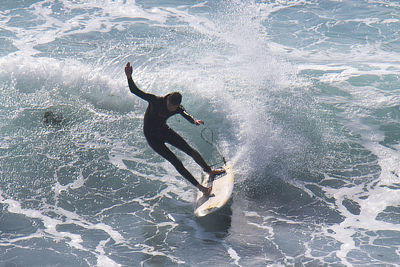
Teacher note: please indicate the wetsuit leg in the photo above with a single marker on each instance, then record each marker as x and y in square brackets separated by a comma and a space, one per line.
[177, 141]
[160, 147]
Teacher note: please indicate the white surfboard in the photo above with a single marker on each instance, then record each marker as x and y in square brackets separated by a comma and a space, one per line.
[222, 187]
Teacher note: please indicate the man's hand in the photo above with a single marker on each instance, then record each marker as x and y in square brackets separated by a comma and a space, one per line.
[198, 122]
[128, 70]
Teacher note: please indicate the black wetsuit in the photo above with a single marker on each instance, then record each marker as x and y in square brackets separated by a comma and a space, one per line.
[157, 132]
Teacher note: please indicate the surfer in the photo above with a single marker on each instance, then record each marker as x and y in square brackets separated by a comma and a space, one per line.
[158, 133]
[50, 118]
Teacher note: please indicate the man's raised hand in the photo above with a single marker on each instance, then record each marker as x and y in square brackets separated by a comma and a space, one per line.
[128, 70]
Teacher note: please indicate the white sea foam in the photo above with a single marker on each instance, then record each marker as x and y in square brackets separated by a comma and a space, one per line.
[379, 193]
[50, 229]
[104, 17]
[233, 254]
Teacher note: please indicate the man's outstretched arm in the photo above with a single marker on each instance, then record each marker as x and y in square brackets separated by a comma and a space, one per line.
[132, 86]
[189, 117]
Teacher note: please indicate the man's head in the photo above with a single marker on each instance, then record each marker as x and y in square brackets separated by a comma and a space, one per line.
[173, 100]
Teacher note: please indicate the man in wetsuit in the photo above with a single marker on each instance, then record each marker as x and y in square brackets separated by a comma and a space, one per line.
[157, 132]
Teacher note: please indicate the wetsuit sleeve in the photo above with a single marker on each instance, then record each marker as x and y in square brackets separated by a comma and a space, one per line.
[135, 90]
[186, 115]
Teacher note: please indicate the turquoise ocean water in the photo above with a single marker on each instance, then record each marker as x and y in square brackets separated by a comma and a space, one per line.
[302, 96]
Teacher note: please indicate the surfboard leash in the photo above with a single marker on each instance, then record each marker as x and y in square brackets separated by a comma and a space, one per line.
[212, 143]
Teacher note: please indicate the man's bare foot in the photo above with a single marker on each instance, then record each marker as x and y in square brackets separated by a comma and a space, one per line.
[205, 190]
[216, 172]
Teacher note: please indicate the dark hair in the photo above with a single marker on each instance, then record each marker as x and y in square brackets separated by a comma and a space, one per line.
[175, 98]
